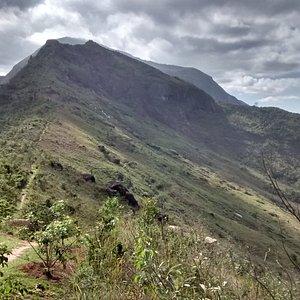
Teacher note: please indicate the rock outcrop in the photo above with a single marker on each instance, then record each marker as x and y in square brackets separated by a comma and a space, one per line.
[118, 189]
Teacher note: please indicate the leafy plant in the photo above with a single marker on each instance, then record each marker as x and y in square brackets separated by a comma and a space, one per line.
[53, 241]
[12, 288]
[4, 252]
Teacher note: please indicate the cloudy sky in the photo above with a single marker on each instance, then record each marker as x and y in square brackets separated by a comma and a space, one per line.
[251, 48]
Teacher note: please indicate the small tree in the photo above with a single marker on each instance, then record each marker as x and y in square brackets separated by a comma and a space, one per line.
[289, 205]
[52, 242]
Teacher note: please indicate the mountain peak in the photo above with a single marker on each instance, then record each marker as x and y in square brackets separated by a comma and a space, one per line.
[124, 80]
[189, 74]
[71, 40]
[92, 43]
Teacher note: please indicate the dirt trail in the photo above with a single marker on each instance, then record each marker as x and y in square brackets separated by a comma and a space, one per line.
[18, 251]
[33, 172]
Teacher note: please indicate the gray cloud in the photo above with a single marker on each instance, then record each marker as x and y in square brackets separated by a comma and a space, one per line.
[216, 46]
[280, 66]
[248, 46]
[21, 4]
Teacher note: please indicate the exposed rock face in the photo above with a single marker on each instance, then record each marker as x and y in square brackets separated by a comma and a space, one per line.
[131, 200]
[116, 160]
[88, 178]
[118, 188]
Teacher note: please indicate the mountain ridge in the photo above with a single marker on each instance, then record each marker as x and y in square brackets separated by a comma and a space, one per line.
[200, 79]
[162, 137]
[189, 115]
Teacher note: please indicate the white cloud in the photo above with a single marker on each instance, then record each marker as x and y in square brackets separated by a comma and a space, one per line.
[254, 85]
[275, 99]
[251, 47]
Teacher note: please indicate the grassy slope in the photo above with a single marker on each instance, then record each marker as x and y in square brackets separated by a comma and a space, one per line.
[191, 192]
[13, 269]
[196, 185]
[277, 135]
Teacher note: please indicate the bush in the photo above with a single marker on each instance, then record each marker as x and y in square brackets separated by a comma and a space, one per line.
[54, 235]
[137, 257]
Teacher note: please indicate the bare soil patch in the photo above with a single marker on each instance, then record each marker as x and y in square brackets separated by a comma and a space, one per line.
[59, 272]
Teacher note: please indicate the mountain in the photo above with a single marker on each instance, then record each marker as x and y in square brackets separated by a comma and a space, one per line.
[191, 75]
[195, 77]
[76, 118]
[20, 65]
[200, 80]
[17, 68]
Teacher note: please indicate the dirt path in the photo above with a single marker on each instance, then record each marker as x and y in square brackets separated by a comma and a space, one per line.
[25, 191]
[34, 170]
[18, 251]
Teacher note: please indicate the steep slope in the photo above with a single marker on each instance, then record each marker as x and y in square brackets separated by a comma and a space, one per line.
[20, 65]
[200, 80]
[147, 93]
[15, 70]
[78, 109]
[191, 75]
[276, 137]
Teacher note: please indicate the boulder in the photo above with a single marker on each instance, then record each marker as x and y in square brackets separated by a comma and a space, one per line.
[111, 192]
[209, 240]
[174, 227]
[102, 148]
[88, 178]
[19, 222]
[56, 166]
[118, 189]
[129, 197]
[238, 215]
[116, 160]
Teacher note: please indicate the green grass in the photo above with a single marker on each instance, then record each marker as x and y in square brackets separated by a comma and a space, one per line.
[10, 241]
[202, 176]
[152, 264]
[52, 290]
[190, 191]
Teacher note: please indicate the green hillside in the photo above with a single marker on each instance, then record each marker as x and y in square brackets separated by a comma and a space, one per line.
[84, 109]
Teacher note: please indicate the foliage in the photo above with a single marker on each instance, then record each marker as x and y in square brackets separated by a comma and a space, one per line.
[12, 180]
[4, 252]
[290, 206]
[204, 180]
[178, 265]
[54, 237]
[12, 288]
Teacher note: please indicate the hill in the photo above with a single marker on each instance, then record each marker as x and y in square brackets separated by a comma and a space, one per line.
[77, 110]
[191, 75]
[21, 64]
[200, 80]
